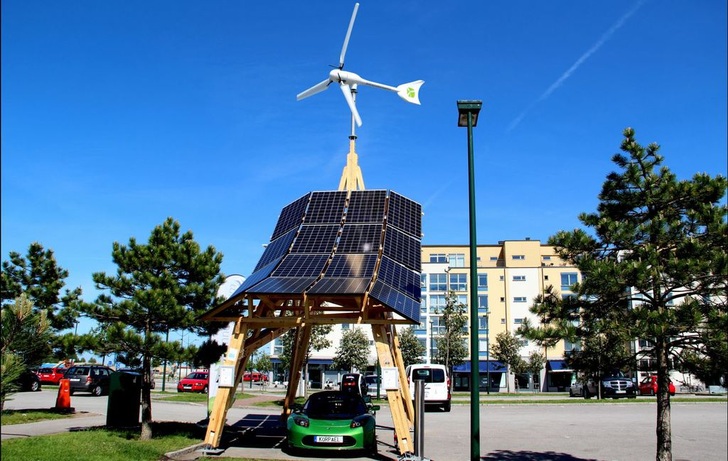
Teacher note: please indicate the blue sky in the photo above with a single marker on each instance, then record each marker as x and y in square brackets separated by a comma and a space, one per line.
[118, 114]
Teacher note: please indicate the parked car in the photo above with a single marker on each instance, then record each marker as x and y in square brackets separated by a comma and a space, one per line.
[437, 383]
[28, 381]
[354, 382]
[333, 420]
[51, 375]
[613, 386]
[372, 381]
[89, 378]
[255, 376]
[139, 371]
[648, 386]
[197, 381]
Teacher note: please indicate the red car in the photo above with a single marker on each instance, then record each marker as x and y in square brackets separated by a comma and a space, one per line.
[648, 386]
[197, 381]
[51, 375]
[254, 376]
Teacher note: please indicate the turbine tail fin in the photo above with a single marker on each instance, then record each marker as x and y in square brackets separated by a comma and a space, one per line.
[410, 92]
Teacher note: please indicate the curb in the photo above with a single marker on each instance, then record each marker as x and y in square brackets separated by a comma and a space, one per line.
[180, 454]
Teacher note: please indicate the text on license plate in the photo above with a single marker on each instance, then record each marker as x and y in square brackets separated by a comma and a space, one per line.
[328, 439]
[621, 392]
[75, 379]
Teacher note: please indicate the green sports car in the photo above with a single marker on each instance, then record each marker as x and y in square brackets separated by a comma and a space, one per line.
[333, 420]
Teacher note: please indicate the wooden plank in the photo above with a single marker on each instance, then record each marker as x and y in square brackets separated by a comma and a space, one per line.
[403, 383]
[303, 337]
[225, 395]
[401, 422]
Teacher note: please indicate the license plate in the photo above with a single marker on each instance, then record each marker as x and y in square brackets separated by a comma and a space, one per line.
[621, 392]
[328, 439]
[187, 387]
[75, 379]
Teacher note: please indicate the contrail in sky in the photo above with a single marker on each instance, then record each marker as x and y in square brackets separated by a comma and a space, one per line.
[554, 86]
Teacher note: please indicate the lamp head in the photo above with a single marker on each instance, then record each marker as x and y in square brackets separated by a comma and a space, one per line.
[466, 107]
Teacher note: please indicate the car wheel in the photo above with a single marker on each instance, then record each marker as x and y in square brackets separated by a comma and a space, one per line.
[204, 390]
[96, 390]
[652, 392]
[34, 386]
[447, 407]
[585, 391]
[70, 391]
[571, 392]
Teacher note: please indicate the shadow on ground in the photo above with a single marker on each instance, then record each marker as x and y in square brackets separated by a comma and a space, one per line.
[507, 455]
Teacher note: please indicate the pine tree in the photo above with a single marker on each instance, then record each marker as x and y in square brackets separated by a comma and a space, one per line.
[159, 286]
[655, 265]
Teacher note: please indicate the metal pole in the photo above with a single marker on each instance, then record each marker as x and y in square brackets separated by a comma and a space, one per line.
[432, 344]
[419, 418]
[474, 356]
[487, 349]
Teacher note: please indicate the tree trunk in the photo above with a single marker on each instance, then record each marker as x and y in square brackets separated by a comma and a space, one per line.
[146, 393]
[664, 430]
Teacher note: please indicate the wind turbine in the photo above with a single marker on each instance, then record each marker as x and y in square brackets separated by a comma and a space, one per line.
[348, 81]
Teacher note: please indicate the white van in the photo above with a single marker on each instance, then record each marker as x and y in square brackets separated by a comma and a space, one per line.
[437, 383]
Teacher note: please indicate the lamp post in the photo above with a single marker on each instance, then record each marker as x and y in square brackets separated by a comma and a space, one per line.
[487, 349]
[468, 116]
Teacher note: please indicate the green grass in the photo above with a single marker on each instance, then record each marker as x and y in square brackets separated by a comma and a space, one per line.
[103, 444]
[10, 417]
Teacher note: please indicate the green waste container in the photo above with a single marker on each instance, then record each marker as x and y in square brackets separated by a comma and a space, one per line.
[125, 392]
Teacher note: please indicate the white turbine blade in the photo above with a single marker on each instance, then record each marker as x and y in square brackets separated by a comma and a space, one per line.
[410, 92]
[346, 89]
[348, 34]
[317, 88]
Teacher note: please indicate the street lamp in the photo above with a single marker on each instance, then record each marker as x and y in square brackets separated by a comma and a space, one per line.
[468, 116]
[487, 349]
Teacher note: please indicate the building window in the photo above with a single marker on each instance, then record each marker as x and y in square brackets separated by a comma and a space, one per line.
[482, 325]
[483, 302]
[519, 299]
[438, 282]
[438, 258]
[423, 306]
[518, 257]
[503, 299]
[344, 326]
[482, 282]
[459, 282]
[457, 260]
[519, 278]
[523, 343]
[501, 278]
[547, 258]
[567, 280]
[423, 282]
[503, 321]
[545, 277]
[437, 303]
[518, 321]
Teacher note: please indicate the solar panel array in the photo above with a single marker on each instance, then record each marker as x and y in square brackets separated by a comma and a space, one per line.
[325, 245]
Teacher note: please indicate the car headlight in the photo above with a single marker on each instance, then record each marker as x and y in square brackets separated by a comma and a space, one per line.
[301, 422]
[354, 424]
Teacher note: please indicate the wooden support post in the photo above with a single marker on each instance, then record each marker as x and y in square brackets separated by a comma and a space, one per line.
[403, 384]
[300, 349]
[401, 422]
[225, 395]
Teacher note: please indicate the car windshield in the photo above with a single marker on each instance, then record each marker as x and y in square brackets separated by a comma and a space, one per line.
[429, 375]
[334, 405]
[45, 370]
[78, 371]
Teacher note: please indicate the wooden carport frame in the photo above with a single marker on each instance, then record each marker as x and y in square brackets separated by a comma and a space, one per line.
[259, 320]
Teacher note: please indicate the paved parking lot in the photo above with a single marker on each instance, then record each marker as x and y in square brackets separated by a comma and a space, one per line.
[577, 431]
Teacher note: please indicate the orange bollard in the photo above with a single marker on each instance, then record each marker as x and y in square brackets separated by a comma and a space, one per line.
[63, 401]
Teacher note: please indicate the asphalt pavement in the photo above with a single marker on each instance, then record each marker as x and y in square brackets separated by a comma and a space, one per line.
[576, 431]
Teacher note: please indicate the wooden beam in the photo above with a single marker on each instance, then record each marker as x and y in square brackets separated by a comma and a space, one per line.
[225, 395]
[301, 341]
[401, 422]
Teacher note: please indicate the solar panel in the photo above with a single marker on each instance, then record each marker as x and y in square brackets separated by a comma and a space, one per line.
[360, 238]
[351, 265]
[291, 216]
[277, 248]
[324, 245]
[403, 304]
[404, 214]
[405, 280]
[316, 239]
[301, 265]
[341, 286]
[283, 285]
[403, 248]
[326, 207]
[366, 206]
